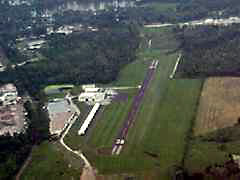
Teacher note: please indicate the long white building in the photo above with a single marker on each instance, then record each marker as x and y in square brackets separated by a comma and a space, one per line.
[89, 119]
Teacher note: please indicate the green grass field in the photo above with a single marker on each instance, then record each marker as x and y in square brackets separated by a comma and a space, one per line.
[212, 148]
[53, 91]
[162, 7]
[51, 162]
[51, 87]
[162, 124]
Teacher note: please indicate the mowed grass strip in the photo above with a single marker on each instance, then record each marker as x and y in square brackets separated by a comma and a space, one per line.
[111, 121]
[107, 126]
[114, 115]
[132, 74]
[162, 123]
[165, 118]
[219, 104]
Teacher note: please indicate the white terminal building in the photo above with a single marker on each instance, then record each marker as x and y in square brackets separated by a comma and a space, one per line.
[93, 95]
[96, 97]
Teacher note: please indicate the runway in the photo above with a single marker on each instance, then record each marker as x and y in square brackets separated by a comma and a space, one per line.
[122, 135]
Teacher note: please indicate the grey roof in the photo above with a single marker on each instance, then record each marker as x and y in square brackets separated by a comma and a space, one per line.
[58, 106]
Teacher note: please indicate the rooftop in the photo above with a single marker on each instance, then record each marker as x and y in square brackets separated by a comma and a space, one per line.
[60, 112]
[7, 88]
[12, 119]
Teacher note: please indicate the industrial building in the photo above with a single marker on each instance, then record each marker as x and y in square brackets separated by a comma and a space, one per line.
[89, 119]
[8, 94]
[12, 112]
[60, 114]
[93, 95]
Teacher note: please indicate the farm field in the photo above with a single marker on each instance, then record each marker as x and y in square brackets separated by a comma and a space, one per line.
[216, 130]
[219, 104]
[157, 140]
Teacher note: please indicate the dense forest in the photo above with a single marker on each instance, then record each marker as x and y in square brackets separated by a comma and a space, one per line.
[198, 9]
[87, 57]
[209, 51]
[28, 21]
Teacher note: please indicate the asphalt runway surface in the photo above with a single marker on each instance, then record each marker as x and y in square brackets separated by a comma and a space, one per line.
[134, 109]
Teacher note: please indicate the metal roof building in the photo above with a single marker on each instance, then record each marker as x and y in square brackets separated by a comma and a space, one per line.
[89, 119]
[60, 112]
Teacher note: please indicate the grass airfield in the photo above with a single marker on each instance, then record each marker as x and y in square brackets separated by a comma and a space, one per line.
[156, 141]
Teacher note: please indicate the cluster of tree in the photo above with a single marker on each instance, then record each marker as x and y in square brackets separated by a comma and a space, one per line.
[88, 57]
[14, 150]
[197, 9]
[227, 170]
[26, 20]
[209, 51]
[18, 21]
[141, 15]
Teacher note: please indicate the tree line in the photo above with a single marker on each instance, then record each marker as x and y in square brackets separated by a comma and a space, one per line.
[209, 51]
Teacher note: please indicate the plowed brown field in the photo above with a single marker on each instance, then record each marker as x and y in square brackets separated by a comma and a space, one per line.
[219, 104]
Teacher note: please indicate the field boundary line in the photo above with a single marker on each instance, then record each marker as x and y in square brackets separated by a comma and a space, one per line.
[25, 165]
[189, 134]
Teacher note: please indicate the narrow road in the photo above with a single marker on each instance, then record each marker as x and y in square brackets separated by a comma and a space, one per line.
[88, 171]
[26, 163]
[209, 21]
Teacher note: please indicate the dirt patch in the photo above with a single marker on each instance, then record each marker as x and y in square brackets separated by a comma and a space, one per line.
[88, 174]
[219, 105]
[105, 151]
